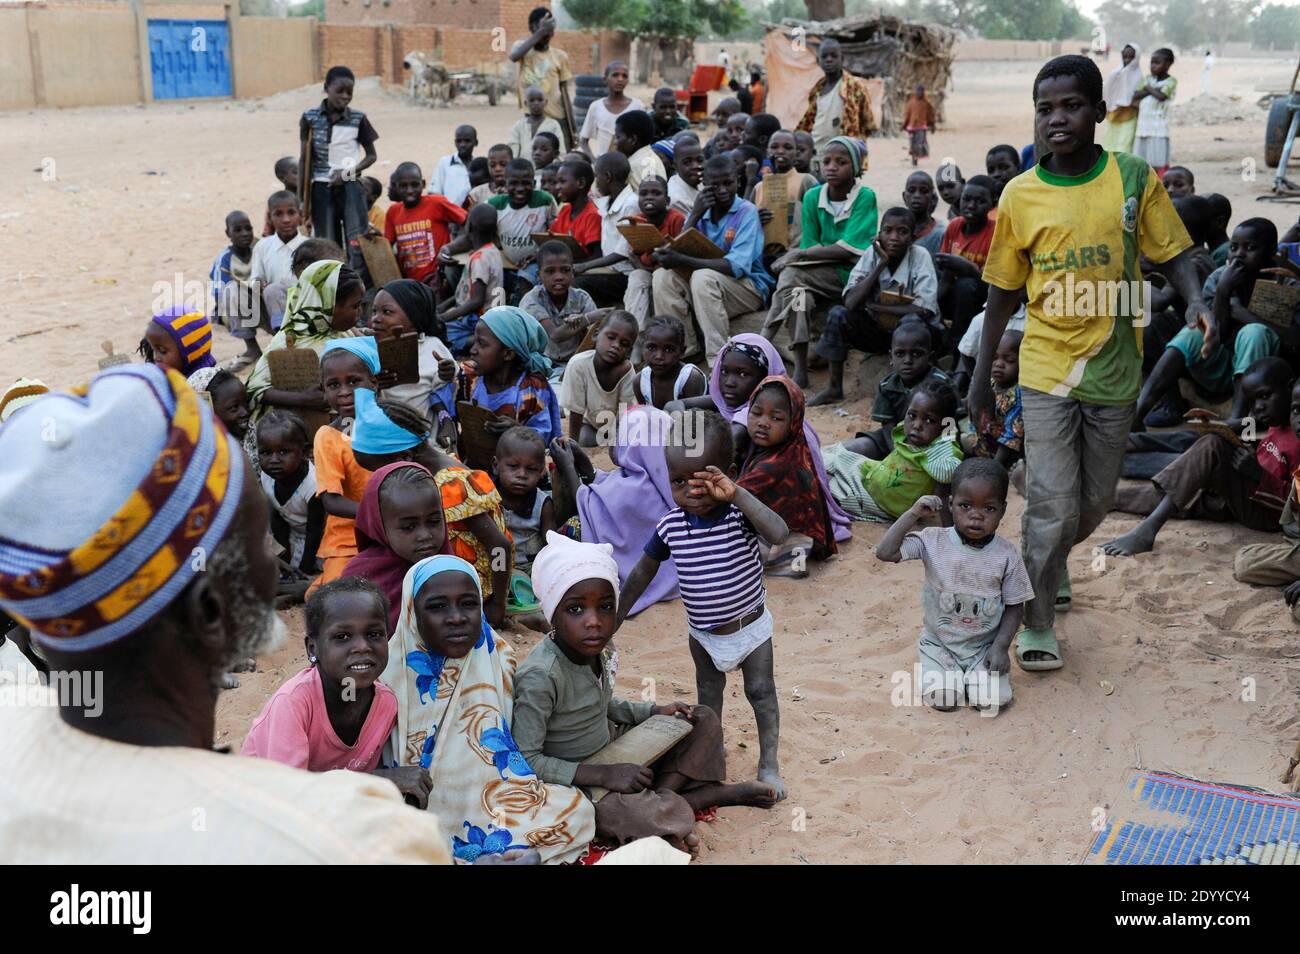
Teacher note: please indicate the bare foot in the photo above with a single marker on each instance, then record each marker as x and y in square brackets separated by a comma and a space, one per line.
[536, 621]
[754, 794]
[828, 396]
[690, 844]
[1137, 540]
[773, 779]
[1018, 477]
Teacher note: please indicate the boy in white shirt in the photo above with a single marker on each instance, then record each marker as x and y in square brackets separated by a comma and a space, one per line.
[451, 175]
[618, 201]
[272, 267]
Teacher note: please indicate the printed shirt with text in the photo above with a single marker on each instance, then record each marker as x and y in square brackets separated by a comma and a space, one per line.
[1074, 243]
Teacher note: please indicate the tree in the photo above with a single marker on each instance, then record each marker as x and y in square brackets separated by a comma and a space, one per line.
[825, 9]
[603, 14]
[1127, 21]
[311, 8]
[1277, 27]
[1030, 20]
[1182, 23]
[669, 19]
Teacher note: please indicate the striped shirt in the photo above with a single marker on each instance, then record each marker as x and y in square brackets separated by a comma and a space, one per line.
[719, 570]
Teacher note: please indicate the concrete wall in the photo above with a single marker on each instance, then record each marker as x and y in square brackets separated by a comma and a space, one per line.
[1014, 49]
[80, 57]
[17, 90]
[272, 54]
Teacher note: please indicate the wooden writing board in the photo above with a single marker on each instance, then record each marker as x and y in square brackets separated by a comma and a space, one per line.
[1275, 303]
[1203, 424]
[380, 260]
[886, 321]
[642, 236]
[579, 250]
[298, 369]
[478, 445]
[401, 355]
[776, 197]
[693, 242]
[640, 745]
[112, 358]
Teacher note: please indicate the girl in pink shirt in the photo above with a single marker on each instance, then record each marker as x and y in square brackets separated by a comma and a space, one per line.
[335, 714]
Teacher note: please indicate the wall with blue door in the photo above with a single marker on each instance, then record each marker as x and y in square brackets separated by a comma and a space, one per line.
[189, 58]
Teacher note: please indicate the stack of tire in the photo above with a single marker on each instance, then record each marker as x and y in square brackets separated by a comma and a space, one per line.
[1278, 125]
[589, 89]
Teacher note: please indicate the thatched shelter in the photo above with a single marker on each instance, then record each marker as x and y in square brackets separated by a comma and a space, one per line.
[895, 52]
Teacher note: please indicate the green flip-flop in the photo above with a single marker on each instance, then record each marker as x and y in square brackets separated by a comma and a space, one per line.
[521, 598]
[1064, 594]
[1040, 641]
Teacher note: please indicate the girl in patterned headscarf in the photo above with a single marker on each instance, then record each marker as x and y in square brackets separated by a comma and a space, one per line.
[454, 680]
[325, 305]
[510, 371]
[781, 471]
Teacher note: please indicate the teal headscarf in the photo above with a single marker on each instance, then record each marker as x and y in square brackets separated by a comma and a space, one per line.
[374, 432]
[363, 346]
[429, 567]
[522, 334]
[442, 563]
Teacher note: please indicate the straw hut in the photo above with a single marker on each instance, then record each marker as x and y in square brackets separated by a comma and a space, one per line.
[892, 54]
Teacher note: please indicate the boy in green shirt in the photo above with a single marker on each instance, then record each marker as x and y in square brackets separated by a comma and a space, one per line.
[838, 223]
[1071, 233]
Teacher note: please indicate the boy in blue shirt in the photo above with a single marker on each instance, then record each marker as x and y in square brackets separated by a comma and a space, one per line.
[718, 289]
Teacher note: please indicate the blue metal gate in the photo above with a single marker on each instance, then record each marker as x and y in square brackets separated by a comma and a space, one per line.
[189, 58]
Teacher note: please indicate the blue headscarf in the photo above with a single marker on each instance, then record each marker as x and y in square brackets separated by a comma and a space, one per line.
[363, 346]
[429, 567]
[374, 432]
[522, 334]
[442, 563]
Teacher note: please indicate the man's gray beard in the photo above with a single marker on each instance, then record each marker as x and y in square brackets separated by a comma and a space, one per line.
[258, 628]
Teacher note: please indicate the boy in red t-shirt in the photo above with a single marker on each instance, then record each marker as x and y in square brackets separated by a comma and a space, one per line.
[417, 224]
[578, 216]
[960, 260]
[1248, 480]
[652, 200]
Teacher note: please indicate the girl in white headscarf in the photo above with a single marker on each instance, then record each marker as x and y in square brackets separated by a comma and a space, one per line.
[1121, 111]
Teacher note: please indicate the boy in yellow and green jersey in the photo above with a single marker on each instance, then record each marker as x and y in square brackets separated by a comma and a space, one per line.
[1071, 232]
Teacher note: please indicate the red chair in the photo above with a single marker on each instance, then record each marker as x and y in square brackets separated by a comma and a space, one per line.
[704, 80]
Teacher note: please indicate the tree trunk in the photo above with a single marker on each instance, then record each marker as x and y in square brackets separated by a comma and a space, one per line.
[824, 9]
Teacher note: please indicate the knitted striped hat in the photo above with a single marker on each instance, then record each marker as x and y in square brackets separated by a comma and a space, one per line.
[19, 394]
[192, 332]
[111, 497]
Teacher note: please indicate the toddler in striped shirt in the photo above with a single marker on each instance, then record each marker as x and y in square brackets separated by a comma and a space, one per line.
[712, 538]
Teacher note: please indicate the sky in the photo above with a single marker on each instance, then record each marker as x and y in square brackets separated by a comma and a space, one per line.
[1089, 7]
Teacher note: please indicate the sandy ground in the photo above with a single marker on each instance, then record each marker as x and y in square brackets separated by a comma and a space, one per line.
[139, 199]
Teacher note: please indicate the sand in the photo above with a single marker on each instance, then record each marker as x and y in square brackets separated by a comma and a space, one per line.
[1204, 670]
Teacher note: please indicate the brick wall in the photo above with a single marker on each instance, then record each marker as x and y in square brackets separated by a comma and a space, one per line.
[372, 40]
[467, 14]
[356, 47]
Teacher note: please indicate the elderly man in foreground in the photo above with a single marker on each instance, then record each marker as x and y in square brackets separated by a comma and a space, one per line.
[133, 549]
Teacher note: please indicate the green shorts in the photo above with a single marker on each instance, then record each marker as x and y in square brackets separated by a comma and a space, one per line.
[1216, 375]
